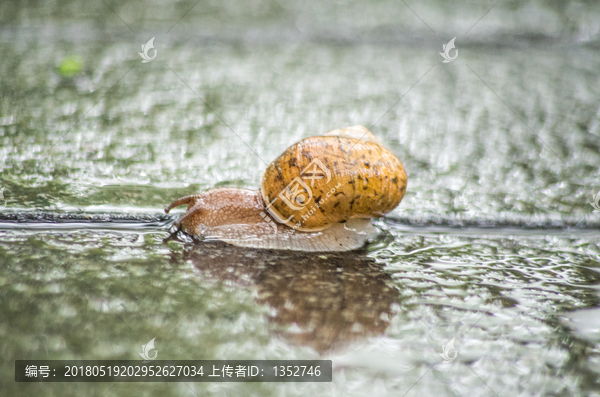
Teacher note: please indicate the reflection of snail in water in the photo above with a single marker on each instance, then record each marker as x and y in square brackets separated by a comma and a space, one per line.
[325, 302]
[317, 196]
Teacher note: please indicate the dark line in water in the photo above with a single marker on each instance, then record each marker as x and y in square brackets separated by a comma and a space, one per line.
[499, 223]
[48, 221]
[39, 221]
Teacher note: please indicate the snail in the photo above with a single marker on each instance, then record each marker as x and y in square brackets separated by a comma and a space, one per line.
[319, 195]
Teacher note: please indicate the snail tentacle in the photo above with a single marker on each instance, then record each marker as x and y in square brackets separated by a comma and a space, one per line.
[181, 201]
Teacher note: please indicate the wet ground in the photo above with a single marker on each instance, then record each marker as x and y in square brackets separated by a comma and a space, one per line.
[504, 140]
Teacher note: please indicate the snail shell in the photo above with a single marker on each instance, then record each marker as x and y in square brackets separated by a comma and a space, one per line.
[331, 178]
[317, 196]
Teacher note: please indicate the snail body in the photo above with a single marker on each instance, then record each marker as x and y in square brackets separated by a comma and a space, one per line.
[319, 195]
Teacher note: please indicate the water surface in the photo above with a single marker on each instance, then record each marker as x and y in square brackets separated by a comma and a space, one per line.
[504, 140]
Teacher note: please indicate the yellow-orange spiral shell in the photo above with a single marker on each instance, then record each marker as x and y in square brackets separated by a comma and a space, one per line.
[332, 178]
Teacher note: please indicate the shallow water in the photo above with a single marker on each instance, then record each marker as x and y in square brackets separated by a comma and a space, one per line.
[504, 140]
